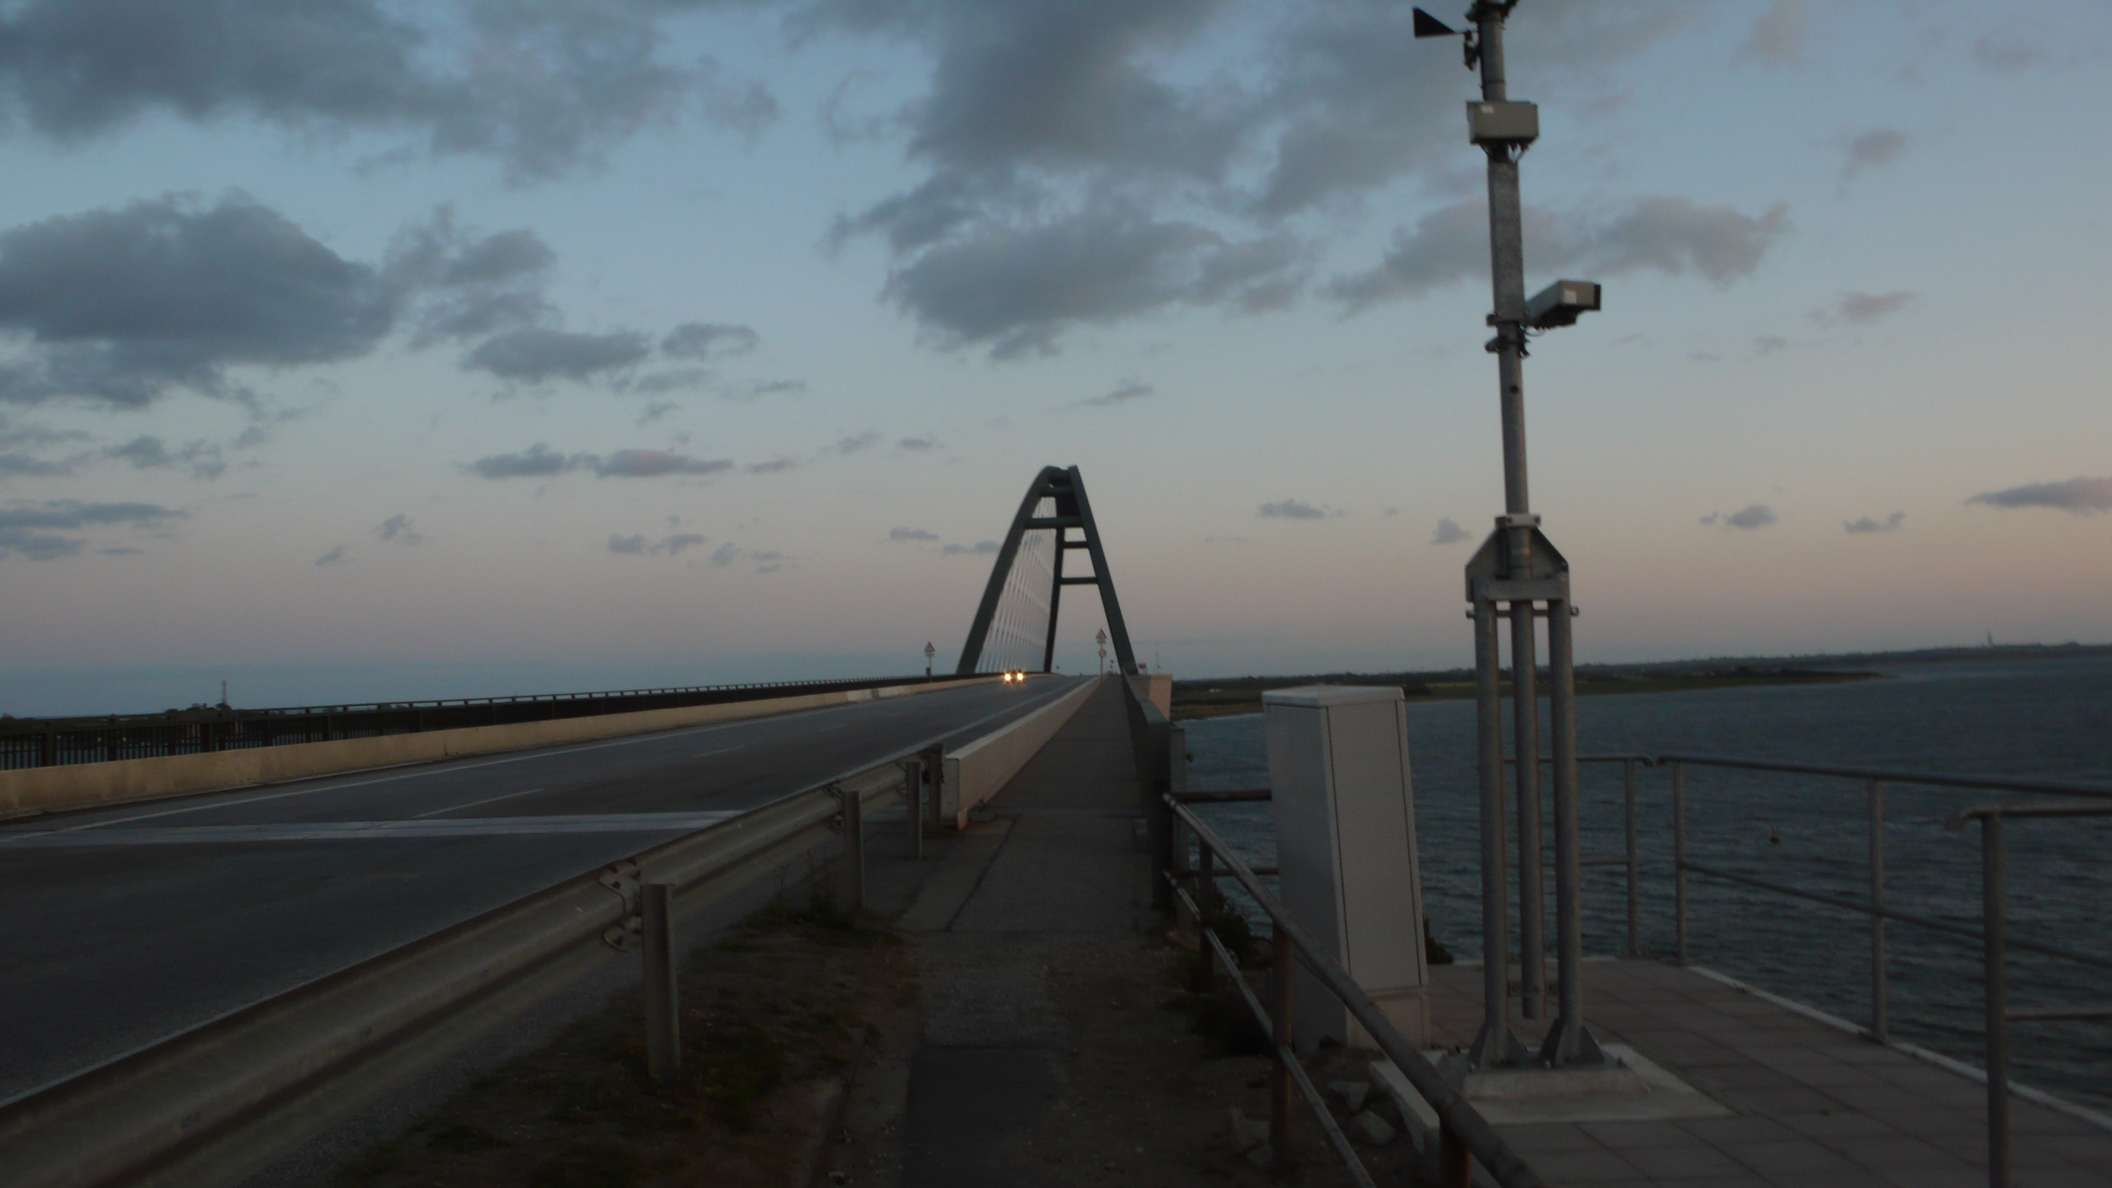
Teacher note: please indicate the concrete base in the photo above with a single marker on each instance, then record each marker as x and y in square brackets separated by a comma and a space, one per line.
[1407, 1010]
[1636, 1089]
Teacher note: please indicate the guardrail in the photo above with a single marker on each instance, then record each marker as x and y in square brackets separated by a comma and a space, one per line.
[53, 742]
[1992, 935]
[219, 1102]
[1464, 1135]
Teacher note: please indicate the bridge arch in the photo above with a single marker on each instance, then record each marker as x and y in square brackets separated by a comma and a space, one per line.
[1025, 591]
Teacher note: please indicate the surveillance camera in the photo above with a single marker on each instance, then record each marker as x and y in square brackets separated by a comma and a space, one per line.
[1561, 302]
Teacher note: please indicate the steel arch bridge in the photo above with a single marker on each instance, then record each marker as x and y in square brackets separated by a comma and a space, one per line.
[1016, 622]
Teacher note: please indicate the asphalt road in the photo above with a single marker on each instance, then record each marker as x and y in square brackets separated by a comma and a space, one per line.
[122, 926]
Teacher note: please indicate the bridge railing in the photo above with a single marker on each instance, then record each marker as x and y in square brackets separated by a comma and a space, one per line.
[213, 1105]
[52, 742]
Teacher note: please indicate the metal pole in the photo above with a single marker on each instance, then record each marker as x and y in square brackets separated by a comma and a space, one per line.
[663, 1041]
[1879, 1012]
[1679, 861]
[1570, 1041]
[1525, 747]
[1635, 908]
[1286, 1051]
[1991, 909]
[1494, 1047]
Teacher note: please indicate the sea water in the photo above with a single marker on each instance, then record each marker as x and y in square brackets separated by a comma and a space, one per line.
[2048, 719]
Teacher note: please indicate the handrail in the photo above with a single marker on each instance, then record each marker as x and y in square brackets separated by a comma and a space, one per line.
[1928, 778]
[1992, 935]
[1459, 1121]
[216, 1103]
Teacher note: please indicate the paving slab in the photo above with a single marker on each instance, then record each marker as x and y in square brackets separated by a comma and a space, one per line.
[1807, 1104]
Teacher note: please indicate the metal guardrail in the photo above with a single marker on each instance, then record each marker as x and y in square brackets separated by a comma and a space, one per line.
[52, 742]
[1992, 935]
[217, 1103]
[1464, 1135]
[1462, 1130]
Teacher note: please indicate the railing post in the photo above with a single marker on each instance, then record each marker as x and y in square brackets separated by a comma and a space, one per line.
[1635, 868]
[1455, 1165]
[935, 782]
[1997, 974]
[1280, 1030]
[663, 1041]
[1879, 1005]
[851, 880]
[1205, 893]
[913, 804]
[1679, 861]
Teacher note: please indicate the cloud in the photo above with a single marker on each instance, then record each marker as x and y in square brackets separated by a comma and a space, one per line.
[2005, 55]
[1777, 38]
[773, 466]
[537, 461]
[30, 528]
[918, 445]
[981, 548]
[1768, 344]
[764, 560]
[707, 340]
[151, 453]
[667, 545]
[649, 464]
[1018, 289]
[544, 89]
[398, 528]
[119, 306]
[1862, 524]
[1293, 509]
[781, 387]
[1449, 533]
[856, 443]
[537, 354]
[540, 461]
[1122, 395]
[911, 534]
[2080, 495]
[18, 465]
[655, 411]
[1753, 515]
[1667, 234]
[1861, 309]
[333, 557]
[1873, 149]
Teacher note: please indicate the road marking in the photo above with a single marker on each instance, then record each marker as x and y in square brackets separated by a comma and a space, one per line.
[472, 804]
[720, 751]
[367, 830]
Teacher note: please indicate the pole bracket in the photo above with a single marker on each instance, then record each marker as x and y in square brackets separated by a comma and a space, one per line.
[623, 877]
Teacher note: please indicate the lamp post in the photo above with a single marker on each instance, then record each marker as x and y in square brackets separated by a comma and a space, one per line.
[1515, 571]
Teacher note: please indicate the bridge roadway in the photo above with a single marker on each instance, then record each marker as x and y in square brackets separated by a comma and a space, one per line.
[122, 926]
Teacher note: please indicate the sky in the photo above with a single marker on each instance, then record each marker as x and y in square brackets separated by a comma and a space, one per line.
[356, 350]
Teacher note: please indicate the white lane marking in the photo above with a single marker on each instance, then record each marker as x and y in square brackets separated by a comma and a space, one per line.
[449, 768]
[365, 830]
[720, 751]
[474, 803]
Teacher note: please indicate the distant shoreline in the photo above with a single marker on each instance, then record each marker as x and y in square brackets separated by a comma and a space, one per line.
[1226, 696]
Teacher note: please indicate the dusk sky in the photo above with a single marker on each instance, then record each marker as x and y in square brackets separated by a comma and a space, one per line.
[356, 350]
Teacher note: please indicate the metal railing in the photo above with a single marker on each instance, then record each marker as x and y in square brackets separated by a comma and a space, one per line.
[1992, 935]
[1462, 1131]
[52, 742]
[1463, 1134]
[215, 1104]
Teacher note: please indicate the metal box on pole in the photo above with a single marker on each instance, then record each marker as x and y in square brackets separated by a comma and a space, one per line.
[1346, 853]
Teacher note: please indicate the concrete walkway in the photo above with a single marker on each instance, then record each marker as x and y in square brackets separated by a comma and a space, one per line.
[1049, 869]
[1810, 1105]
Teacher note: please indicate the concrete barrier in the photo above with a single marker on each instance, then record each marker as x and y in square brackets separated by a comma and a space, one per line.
[85, 785]
[978, 771]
